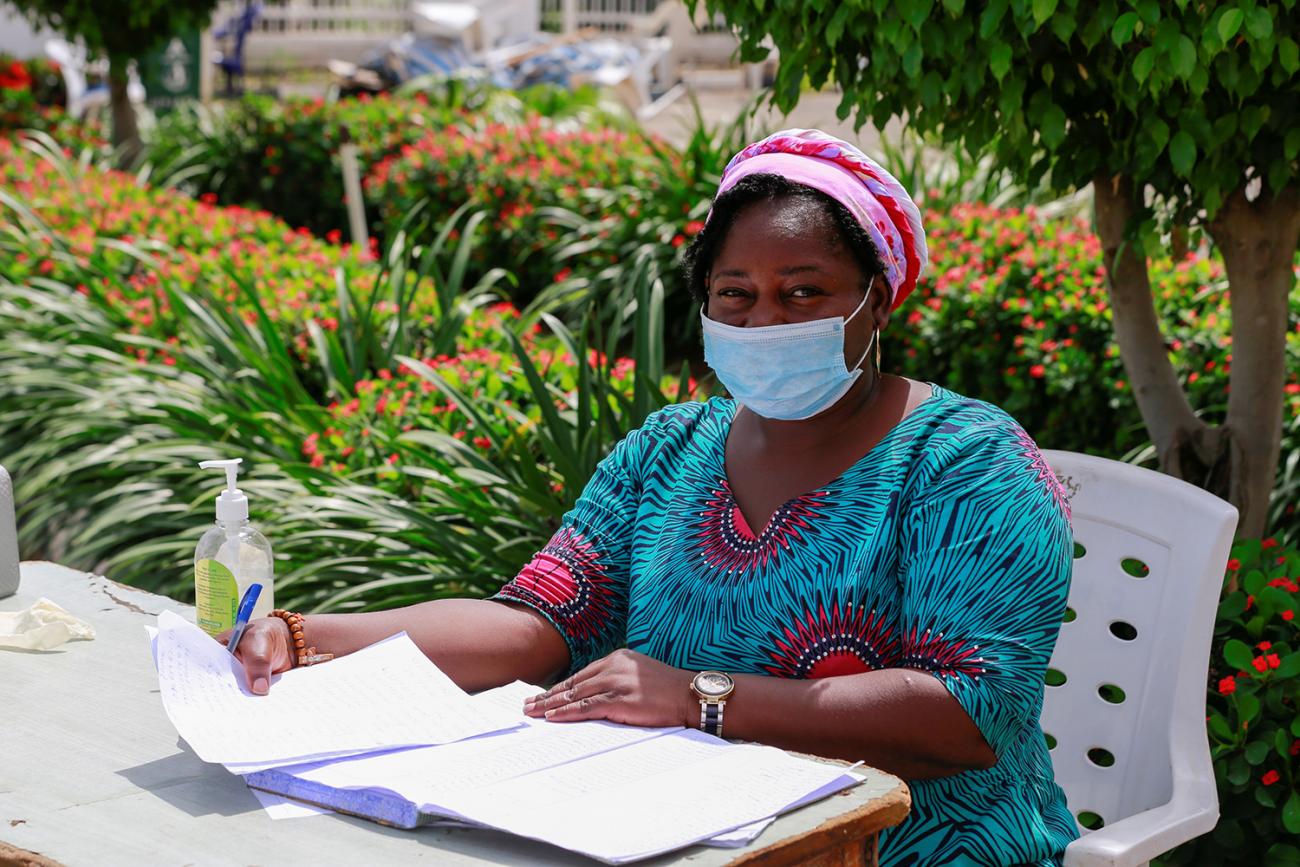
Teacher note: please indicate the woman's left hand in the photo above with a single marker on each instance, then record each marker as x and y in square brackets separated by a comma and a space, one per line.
[625, 687]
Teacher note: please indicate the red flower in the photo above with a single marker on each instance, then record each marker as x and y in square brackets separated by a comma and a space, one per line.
[334, 236]
[1288, 615]
[1037, 371]
[694, 227]
[1295, 748]
[1260, 663]
[678, 240]
[16, 77]
[1234, 564]
[563, 274]
[1227, 686]
[1264, 645]
[1270, 778]
[482, 442]
[1270, 542]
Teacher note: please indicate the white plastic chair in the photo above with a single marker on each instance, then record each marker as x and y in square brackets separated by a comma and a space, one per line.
[1129, 720]
[73, 62]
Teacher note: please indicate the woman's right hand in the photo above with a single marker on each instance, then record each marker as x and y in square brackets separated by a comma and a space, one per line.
[263, 650]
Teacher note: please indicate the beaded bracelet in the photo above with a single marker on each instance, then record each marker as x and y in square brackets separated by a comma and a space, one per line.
[302, 654]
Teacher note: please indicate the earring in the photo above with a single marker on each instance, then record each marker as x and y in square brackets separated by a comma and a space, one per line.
[877, 350]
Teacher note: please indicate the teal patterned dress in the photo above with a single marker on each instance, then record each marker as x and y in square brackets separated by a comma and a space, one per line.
[946, 549]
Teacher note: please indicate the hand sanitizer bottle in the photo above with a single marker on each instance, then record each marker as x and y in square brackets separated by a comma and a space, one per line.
[230, 556]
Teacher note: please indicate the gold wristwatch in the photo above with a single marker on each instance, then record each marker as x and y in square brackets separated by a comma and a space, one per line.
[712, 688]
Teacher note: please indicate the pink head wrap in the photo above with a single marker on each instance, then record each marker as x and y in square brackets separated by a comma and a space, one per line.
[872, 195]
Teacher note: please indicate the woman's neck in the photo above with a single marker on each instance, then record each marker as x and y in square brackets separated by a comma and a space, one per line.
[861, 402]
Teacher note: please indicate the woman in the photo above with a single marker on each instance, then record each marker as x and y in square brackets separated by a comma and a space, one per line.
[835, 560]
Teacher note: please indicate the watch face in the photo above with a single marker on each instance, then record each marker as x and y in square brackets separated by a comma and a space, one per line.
[713, 683]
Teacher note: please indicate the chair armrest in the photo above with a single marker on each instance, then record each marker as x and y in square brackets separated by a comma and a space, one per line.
[1137, 839]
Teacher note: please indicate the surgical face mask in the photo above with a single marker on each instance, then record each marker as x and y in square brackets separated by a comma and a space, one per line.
[788, 372]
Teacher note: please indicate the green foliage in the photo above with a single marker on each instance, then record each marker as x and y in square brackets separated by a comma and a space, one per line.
[124, 362]
[282, 155]
[521, 173]
[1188, 98]
[1254, 712]
[120, 30]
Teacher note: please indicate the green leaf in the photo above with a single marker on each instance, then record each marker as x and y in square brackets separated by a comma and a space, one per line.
[1000, 60]
[1255, 579]
[1230, 23]
[1290, 666]
[1143, 63]
[1282, 744]
[1265, 798]
[1247, 707]
[1184, 56]
[1291, 813]
[1182, 152]
[991, 17]
[1288, 55]
[1052, 126]
[1282, 855]
[1238, 771]
[1238, 654]
[1259, 24]
[1256, 752]
[1234, 605]
[1219, 727]
[1122, 32]
[1043, 10]
[1291, 144]
[1295, 726]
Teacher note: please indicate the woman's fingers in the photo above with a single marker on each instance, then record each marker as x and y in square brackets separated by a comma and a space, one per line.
[257, 652]
[567, 691]
[595, 706]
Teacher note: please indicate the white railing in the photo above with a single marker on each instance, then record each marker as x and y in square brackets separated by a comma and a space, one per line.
[567, 16]
[309, 32]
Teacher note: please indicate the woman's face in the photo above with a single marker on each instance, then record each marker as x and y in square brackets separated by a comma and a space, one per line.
[784, 261]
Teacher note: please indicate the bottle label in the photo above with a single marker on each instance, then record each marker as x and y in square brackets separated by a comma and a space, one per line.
[216, 596]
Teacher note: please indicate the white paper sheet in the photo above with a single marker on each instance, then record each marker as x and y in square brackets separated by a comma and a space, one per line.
[695, 787]
[387, 695]
[428, 774]
[279, 808]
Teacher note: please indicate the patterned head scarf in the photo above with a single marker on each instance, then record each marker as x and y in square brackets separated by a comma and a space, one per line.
[872, 195]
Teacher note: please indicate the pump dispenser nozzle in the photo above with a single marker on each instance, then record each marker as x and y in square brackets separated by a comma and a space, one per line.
[232, 505]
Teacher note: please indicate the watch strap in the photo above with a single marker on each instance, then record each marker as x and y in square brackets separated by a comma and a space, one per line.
[711, 717]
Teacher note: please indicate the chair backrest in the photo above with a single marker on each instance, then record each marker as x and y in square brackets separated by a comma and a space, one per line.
[1128, 720]
[72, 64]
[8, 538]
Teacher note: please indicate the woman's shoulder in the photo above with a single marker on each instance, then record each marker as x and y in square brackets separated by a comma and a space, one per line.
[967, 422]
[976, 446]
[674, 431]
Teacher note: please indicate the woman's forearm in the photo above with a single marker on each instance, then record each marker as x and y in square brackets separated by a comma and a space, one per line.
[899, 720]
[479, 643]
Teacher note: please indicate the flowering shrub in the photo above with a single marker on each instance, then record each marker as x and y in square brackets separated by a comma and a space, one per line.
[187, 243]
[32, 97]
[517, 171]
[1014, 310]
[1254, 712]
[281, 156]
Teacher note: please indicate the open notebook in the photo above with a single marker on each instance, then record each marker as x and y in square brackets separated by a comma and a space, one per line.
[418, 750]
[614, 793]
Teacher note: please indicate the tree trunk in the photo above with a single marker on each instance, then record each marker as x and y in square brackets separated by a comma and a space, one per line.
[126, 135]
[1237, 460]
[1187, 448]
[1258, 243]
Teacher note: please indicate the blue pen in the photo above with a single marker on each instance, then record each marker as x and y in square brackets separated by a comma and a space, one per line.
[245, 611]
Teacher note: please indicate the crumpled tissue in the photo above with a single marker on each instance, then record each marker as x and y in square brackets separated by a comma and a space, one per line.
[43, 626]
